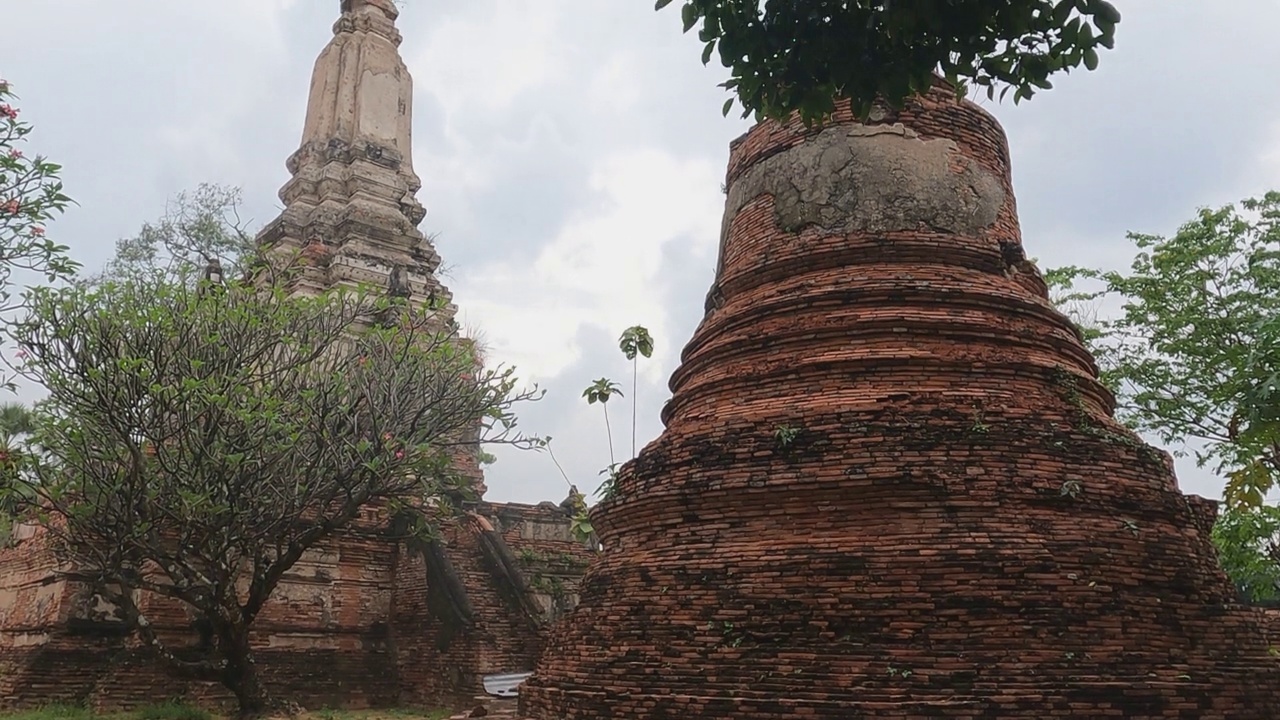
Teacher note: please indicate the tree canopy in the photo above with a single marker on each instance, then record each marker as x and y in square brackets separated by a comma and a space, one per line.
[1248, 542]
[31, 195]
[1194, 358]
[1193, 353]
[197, 227]
[789, 56]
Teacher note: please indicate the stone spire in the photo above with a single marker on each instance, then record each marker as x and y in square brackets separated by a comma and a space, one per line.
[350, 207]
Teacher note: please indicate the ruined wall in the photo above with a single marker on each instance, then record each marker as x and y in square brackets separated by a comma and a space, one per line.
[324, 635]
[349, 625]
[34, 614]
[552, 561]
[444, 660]
[1271, 617]
[890, 485]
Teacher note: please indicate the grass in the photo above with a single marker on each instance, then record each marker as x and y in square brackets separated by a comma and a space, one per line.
[178, 711]
[389, 714]
[170, 711]
[51, 712]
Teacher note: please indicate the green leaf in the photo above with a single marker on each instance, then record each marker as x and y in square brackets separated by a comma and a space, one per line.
[1107, 13]
[1091, 59]
[1062, 11]
[689, 15]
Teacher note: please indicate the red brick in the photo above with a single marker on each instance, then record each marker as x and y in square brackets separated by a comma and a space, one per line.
[918, 550]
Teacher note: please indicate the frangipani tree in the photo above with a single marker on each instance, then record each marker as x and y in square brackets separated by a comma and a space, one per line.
[196, 442]
[31, 195]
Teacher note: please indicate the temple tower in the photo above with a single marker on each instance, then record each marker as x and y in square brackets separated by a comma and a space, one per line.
[351, 215]
[890, 484]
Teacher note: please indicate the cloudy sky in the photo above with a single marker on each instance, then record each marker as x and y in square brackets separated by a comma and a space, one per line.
[572, 152]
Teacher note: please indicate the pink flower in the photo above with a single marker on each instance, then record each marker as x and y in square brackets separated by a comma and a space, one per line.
[399, 454]
[386, 436]
[9, 112]
[22, 354]
[37, 231]
[12, 207]
[15, 153]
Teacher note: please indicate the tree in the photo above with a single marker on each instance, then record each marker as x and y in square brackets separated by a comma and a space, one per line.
[30, 196]
[1193, 352]
[198, 227]
[1081, 305]
[1262, 397]
[635, 341]
[801, 55]
[197, 441]
[1248, 542]
[16, 421]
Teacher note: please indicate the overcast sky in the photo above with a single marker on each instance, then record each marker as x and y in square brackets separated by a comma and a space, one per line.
[572, 152]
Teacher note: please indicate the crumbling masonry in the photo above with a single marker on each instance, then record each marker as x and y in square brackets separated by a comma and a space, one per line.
[890, 484]
[366, 619]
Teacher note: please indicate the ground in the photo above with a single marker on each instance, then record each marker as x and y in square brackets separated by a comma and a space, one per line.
[185, 712]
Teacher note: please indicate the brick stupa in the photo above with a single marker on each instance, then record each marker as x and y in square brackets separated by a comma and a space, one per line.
[890, 484]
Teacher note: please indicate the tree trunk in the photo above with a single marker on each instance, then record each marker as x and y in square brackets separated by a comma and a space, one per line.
[241, 674]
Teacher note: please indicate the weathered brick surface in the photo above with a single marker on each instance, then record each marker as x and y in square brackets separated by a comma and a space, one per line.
[442, 668]
[890, 485]
[325, 627]
[348, 627]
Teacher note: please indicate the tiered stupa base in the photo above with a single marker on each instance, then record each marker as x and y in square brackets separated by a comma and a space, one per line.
[890, 485]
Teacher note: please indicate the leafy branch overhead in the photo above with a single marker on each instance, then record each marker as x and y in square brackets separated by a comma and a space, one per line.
[801, 55]
[31, 195]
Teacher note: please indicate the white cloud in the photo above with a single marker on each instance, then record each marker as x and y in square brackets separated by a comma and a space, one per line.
[601, 268]
[479, 56]
[606, 107]
[1268, 165]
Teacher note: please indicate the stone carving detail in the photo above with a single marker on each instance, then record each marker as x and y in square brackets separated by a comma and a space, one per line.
[890, 484]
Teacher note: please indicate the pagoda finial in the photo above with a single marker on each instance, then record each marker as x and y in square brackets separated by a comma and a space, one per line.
[387, 7]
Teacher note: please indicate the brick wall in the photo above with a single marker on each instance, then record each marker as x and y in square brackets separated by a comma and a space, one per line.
[324, 634]
[349, 626]
[890, 485]
[502, 636]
